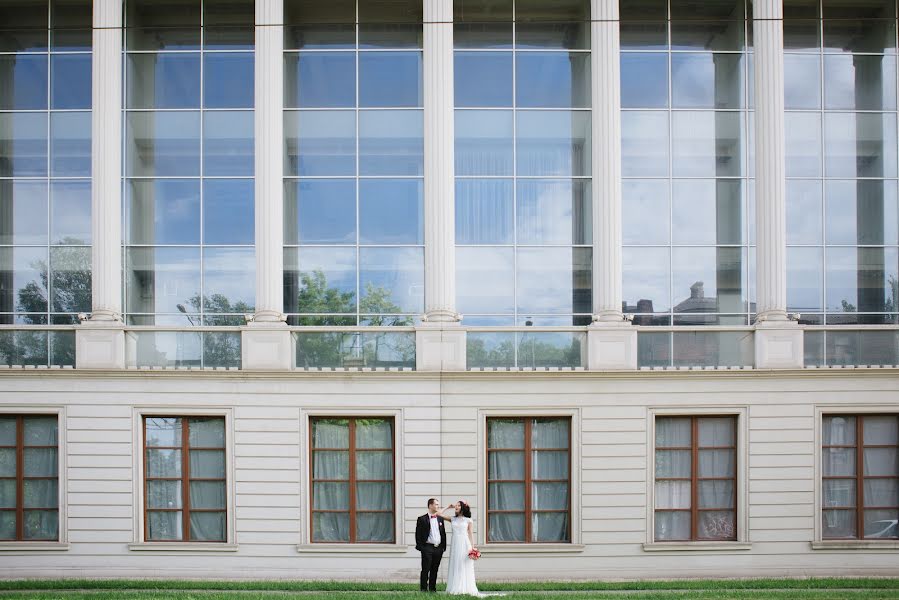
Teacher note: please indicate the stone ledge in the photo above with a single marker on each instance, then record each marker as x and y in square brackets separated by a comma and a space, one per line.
[181, 547]
[697, 547]
[353, 548]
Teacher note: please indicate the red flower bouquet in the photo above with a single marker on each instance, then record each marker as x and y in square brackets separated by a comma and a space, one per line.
[474, 554]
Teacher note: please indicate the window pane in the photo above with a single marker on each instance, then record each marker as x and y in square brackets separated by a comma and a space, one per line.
[162, 280]
[208, 432]
[505, 466]
[164, 494]
[169, 25]
[8, 462]
[672, 526]
[41, 525]
[644, 80]
[320, 24]
[207, 464]
[804, 215]
[707, 144]
[374, 527]
[553, 143]
[391, 211]
[803, 144]
[163, 144]
[320, 212]
[485, 280]
[391, 142]
[163, 81]
[23, 138]
[859, 35]
[390, 79]
[70, 144]
[858, 278]
[716, 431]
[707, 211]
[674, 432]
[554, 212]
[549, 527]
[207, 526]
[707, 35]
[374, 496]
[881, 430]
[229, 284]
[162, 212]
[708, 280]
[331, 527]
[554, 280]
[330, 496]
[645, 210]
[707, 80]
[552, 80]
[374, 465]
[331, 465]
[483, 79]
[27, 268]
[805, 279]
[326, 280]
[483, 142]
[716, 525]
[70, 86]
[7, 431]
[505, 527]
[839, 431]
[882, 523]
[839, 493]
[320, 143]
[40, 431]
[858, 82]
[839, 524]
[330, 433]
[860, 145]
[228, 143]
[881, 461]
[505, 433]
[207, 494]
[717, 463]
[163, 463]
[228, 211]
[483, 211]
[7, 494]
[374, 433]
[70, 280]
[506, 496]
[644, 143]
[861, 212]
[226, 80]
[40, 493]
[802, 81]
[391, 280]
[672, 494]
[24, 80]
[549, 465]
[70, 211]
[38, 462]
[320, 80]
[162, 431]
[24, 206]
[550, 433]
[646, 279]
[882, 492]
[673, 463]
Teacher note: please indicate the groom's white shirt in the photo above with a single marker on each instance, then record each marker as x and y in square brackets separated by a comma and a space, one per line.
[434, 536]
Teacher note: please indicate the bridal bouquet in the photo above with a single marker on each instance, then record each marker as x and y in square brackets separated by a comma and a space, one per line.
[474, 554]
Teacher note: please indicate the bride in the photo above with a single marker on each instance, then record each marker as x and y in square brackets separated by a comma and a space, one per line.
[460, 574]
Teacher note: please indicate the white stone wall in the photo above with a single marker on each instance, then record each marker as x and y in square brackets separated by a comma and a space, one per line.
[440, 452]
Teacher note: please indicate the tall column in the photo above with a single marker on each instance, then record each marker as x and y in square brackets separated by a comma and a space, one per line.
[612, 342]
[266, 341]
[100, 340]
[440, 344]
[778, 341]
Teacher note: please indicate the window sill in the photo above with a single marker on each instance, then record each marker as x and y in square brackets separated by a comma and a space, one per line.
[353, 548]
[33, 546]
[181, 547]
[531, 548]
[856, 545]
[697, 546]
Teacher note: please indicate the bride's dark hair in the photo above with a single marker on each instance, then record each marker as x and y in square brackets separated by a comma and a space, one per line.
[464, 509]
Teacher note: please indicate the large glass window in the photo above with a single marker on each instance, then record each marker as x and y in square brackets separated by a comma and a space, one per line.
[189, 154]
[860, 470]
[528, 480]
[185, 496]
[695, 478]
[842, 221]
[45, 161]
[522, 162]
[352, 480]
[354, 162]
[687, 188]
[29, 477]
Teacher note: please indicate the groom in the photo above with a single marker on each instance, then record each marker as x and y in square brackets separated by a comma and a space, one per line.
[430, 540]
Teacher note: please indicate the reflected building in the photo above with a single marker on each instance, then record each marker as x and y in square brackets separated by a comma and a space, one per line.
[274, 273]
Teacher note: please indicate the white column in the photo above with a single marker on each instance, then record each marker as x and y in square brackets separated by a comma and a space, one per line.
[778, 342]
[100, 341]
[612, 342]
[440, 344]
[266, 343]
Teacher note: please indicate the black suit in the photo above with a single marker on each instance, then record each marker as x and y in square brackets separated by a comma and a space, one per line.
[430, 554]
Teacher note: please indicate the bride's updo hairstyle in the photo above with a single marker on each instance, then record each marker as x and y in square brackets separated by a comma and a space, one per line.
[464, 509]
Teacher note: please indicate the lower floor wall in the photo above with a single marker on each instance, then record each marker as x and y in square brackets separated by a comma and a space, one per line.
[440, 449]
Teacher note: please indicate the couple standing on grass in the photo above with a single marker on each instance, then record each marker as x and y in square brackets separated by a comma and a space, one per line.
[430, 540]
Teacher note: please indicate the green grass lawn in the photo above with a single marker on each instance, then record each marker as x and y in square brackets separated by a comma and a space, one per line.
[738, 589]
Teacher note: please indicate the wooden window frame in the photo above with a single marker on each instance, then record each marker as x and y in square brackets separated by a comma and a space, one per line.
[352, 481]
[859, 477]
[694, 478]
[185, 478]
[20, 478]
[528, 478]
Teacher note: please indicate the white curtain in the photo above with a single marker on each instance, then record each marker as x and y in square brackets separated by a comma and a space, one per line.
[207, 526]
[673, 433]
[839, 431]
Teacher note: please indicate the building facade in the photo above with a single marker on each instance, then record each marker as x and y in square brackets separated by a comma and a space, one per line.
[623, 276]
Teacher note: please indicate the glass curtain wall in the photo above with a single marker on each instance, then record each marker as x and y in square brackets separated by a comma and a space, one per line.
[842, 223]
[45, 161]
[189, 151]
[687, 199]
[354, 162]
[522, 162]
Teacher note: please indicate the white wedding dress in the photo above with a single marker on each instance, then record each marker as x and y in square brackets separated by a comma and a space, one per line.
[460, 574]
